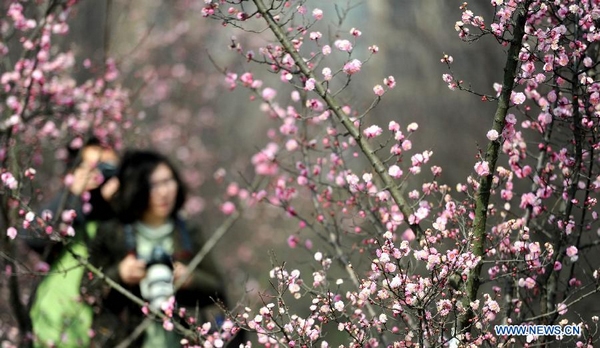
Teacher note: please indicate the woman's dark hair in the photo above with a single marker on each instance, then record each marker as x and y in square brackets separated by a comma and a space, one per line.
[133, 196]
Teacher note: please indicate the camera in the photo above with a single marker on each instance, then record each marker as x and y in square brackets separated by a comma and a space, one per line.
[157, 286]
[108, 170]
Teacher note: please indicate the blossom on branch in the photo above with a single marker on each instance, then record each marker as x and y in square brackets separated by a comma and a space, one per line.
[352, 67]
[372, 131]
[343, 45]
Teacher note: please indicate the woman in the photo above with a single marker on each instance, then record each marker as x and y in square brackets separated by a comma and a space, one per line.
[146, 250]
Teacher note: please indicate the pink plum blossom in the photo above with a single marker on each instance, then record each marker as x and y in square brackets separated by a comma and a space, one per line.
[447, 59]
[352, 66]
[286, 76]
[291, 145]
[9, 180]
[68, 216]
[498, 88]
[317, 14]
[315, 35]
[572, 253]
[246, 78]
[30, 173]
[372, 131]
[492, 135]
[378, 90]
[302, 180]
[11, 232]
[352, 179]
[355, 32]
[232, 189]
[395, 172]
[557, 266]
[293, 241]
[228, 208]
[343, 45]
[528, 283]
[230, 79]
[517, 98]
[263, 160]
[269, 94]
[528, 199]
[436, 170]
[326, 74]
[482, 168]
[168, 325]
[309, 85]
[29, 216]
[295, 96]
[561, 308]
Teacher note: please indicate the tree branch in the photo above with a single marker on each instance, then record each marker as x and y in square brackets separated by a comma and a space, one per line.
[335, 107]
[482, 198]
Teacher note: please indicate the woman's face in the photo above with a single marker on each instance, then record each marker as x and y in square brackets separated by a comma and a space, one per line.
[163, 195]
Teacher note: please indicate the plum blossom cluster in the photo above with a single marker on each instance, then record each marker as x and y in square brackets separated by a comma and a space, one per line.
[388, 286]
[543, 188]
[389, 82]
[207, 335]
[44, 103]
[283, 62]
[44, 77]
[411, 291]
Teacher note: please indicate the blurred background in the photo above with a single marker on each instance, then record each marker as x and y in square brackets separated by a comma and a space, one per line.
[171, 59]
[173, 63]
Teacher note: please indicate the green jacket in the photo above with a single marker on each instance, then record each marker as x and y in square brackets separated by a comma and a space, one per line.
[58, 315]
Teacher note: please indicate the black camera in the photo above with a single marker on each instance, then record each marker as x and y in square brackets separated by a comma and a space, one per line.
[108, 170]
[157, 286]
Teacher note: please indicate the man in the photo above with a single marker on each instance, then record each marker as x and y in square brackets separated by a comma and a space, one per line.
[58, 316]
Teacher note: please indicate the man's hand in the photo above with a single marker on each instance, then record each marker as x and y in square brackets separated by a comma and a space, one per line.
[85, 178]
